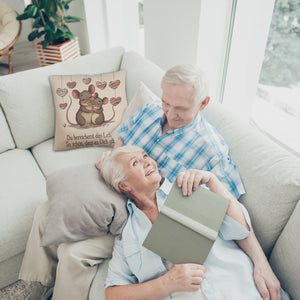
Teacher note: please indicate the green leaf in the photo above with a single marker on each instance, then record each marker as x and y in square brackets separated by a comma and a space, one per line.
[70, 35]
[50, 6]
[64, 28]
[33, 35]
[71, 19]
[59, 4]
[32, 11]
[42, 4]
[56, 17]
[45, 44]
[23, 16]
[51, 27]
[41, 33]
[38, 23]
[48, 37]
[27, 8]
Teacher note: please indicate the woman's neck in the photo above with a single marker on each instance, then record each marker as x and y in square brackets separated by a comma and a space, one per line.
[146, 202]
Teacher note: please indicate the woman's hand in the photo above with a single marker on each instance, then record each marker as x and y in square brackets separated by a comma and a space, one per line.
[183, 277]
[189, 180]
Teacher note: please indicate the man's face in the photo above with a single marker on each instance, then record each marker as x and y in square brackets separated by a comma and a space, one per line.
[179, 105]
[140, 170]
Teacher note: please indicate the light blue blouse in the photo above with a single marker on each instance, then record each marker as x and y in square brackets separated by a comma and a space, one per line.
[229, 271]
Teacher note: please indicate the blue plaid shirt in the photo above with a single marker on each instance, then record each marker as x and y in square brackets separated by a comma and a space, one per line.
[195, 146]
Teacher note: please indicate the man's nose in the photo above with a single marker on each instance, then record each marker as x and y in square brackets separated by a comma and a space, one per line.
[170, 112]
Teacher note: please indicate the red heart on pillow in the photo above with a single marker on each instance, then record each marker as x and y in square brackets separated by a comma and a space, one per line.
[87, 80]
[115, 101]
[101, 84]
[114, 84]
[71, 84]
[61, 92]
[63, 105]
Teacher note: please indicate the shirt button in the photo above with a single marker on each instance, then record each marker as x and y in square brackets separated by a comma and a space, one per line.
[157, 140]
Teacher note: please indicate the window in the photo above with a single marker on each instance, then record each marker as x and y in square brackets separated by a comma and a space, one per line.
[276, 108]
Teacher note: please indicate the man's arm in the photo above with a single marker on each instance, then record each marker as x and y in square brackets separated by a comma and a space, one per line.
[264, 277]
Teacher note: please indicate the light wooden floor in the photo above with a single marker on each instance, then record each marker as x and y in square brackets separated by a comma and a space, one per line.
[23, 58]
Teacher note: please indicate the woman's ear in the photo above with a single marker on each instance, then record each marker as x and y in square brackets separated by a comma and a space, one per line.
[124, 187]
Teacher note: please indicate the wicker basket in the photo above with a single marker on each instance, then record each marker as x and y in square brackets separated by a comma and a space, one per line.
[57, 53]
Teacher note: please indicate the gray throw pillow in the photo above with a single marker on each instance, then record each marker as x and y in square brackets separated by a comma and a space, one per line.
[81, 206]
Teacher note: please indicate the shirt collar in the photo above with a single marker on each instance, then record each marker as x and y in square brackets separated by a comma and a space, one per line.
[161, 195]
[186, 128]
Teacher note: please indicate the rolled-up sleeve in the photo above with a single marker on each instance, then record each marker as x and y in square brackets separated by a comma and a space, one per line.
[119, 272]
[233, 230]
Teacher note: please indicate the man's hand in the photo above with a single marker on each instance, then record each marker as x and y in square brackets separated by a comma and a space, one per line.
[101, 159]
[189, 180]
[266, 282]
[183, 277]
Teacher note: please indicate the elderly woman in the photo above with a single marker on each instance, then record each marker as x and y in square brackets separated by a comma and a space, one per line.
[137, 273]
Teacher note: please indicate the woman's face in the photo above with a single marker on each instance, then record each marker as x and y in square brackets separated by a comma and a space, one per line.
[140, 170]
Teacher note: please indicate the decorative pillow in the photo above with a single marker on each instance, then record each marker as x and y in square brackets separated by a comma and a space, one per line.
[142, 96]
[82, 206]
[88, 108]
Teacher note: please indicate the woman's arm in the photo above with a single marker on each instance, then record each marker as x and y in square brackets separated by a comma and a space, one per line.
[184, 277]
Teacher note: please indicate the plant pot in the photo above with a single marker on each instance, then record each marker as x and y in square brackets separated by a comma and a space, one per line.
[57, 53]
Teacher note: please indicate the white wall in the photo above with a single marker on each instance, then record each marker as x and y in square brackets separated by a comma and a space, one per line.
[96, 31]
[123, 23]
[192, 31]
[171, 31]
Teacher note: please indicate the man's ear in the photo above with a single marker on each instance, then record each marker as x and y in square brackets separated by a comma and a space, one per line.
[204, 103]
[124, 187]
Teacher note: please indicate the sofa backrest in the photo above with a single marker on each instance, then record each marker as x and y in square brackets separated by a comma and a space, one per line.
[140, 69]
[270, 174]
[6, 140]
[26, 97]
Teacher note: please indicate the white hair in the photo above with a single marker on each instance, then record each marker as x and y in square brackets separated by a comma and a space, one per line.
[188, 74]
[112, 170]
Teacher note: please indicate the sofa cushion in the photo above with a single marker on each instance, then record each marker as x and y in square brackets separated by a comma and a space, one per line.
[88, 108]
[270, 174]
[285, 256]
[142, 96]
[33, 120]
[23, 187]
[50, 161]
[6, 141]
[140, 69]
[82, 206]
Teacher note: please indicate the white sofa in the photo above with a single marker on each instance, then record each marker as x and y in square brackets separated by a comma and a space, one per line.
[270, 174]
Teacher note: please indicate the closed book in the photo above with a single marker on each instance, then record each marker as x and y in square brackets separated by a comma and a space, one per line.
[187, 226]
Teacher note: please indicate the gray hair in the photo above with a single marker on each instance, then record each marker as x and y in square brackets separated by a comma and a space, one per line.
[188, 74]
[111, 170]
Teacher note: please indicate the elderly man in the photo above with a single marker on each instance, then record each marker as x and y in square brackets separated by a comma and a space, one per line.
[141, 274]
[176, 135]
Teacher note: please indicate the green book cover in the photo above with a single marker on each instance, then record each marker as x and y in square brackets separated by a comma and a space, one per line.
[187, 226]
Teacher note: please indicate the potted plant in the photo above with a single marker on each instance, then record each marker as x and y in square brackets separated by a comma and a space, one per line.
[50, 26]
